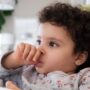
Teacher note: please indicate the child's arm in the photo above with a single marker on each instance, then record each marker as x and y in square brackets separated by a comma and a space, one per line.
[24, 54]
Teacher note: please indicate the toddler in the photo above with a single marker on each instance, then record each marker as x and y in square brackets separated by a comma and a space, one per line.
[60, 61]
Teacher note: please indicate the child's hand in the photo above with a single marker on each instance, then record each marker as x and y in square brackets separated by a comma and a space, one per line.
[26, 54]
[11, 86]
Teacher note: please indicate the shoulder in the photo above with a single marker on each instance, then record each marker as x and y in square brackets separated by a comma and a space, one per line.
[84, 72]
[84, 75]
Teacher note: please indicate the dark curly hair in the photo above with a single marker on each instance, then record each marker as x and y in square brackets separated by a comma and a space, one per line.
[76, 22]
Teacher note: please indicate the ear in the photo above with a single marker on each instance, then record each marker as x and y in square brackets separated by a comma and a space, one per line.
[81, 58]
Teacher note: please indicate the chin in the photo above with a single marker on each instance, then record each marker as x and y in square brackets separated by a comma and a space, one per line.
[39, 70]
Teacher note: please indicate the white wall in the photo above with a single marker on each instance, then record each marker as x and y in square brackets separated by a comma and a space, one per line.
[87, 1]
[29, 8]
[26, 9]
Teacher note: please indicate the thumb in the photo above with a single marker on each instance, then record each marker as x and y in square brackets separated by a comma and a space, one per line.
[11, 86]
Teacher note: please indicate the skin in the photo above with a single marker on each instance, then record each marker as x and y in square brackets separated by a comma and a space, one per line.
[58, 50]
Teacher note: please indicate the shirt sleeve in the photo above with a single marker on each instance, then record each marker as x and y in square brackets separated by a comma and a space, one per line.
[85, 81]
[3, 70]
[59, 81]
[13, 75]
[53, 81]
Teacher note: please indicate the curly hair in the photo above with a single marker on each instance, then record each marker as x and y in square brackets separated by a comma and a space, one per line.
[76, 22]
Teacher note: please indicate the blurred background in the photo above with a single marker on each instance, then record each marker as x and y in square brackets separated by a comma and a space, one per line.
[18, 20]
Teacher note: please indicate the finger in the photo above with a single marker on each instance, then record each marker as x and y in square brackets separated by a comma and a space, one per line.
[26, 51]
[31, 54]
[20, 48]
[37, 55]
[12, 86]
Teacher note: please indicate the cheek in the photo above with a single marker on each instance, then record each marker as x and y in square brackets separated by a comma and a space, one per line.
[60, 57]
[53, 59]
[60, 62]
[57, 55]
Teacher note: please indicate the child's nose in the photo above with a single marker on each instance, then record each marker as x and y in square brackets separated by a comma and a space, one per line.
[41, 49]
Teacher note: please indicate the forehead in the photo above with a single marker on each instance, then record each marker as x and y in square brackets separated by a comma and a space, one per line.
[49, 30]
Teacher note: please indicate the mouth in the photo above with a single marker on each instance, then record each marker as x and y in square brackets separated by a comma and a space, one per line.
[39, 64]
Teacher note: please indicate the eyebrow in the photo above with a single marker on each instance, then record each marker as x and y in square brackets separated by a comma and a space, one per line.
[52, 38]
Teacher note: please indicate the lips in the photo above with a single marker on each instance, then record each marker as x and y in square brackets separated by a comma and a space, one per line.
[39, 63]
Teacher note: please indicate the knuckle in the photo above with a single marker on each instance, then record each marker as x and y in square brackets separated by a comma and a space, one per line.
[22, 44]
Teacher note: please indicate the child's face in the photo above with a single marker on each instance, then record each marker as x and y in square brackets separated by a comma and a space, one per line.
[58, 50]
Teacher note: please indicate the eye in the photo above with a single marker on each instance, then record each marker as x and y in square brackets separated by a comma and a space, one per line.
[53, 44]
[38, 41]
